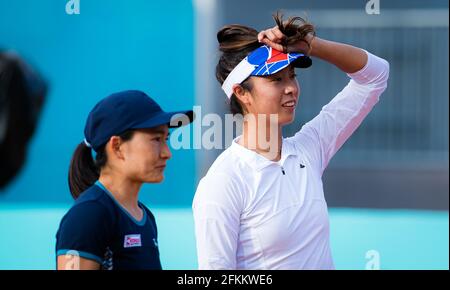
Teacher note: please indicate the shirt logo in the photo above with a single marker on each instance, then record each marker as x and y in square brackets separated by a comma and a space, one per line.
[132, 241]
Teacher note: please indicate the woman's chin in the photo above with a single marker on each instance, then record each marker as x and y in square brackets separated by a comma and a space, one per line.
[155, 179]
[286, 120]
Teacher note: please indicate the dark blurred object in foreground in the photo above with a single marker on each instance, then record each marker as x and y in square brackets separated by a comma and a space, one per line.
[22, 95]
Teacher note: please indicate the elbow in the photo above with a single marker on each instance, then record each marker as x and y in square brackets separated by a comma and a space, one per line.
[384, 76]
[381, 82]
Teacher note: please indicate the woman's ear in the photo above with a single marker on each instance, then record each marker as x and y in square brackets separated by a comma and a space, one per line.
[115, 143]
[243, 95]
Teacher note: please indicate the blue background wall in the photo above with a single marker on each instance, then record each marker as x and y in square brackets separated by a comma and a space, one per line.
[110, 46]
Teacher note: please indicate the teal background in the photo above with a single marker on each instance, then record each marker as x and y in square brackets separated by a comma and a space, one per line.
[404, 239]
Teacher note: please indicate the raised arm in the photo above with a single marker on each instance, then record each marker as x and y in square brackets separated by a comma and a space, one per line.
[347, 58]
[322, 137]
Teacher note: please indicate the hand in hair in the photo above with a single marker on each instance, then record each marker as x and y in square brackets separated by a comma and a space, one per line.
[274, 38]
[298, 35]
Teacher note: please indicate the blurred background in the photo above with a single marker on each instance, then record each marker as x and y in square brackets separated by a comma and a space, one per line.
[387, 188]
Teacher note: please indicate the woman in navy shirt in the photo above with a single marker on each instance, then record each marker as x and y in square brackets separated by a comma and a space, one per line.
[107, 227]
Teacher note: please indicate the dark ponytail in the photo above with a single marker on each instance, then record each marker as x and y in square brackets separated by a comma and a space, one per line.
[238, 41]
[235, 43]
[84, 171]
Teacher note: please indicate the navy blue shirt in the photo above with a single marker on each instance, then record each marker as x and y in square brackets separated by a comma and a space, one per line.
[98, 228]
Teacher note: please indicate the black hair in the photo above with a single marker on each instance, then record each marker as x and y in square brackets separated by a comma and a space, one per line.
[84, 171]
[237, 41]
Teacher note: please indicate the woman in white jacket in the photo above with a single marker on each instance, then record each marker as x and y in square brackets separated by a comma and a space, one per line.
[264, 207]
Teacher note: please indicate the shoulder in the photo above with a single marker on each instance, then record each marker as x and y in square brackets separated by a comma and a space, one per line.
[226, 171]
[85, 224]
[92, 207]
[223, 185]
[228, 164]
[93, 193]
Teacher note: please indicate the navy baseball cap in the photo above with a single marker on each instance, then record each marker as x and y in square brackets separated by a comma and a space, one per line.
[127, 110]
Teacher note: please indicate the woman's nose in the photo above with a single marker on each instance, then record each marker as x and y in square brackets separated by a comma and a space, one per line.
[165, 152]
[292, 88]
